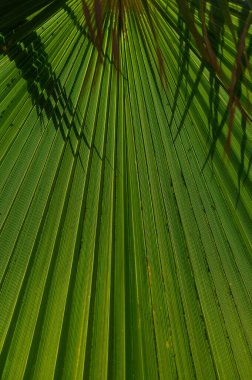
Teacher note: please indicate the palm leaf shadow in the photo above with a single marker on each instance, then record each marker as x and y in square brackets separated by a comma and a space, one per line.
[47, 93]
[215, 32]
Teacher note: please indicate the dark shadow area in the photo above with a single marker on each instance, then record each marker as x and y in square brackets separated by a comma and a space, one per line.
[13, 12]
[47, 93]
[242, 18]
[218, 119]
[215, 35]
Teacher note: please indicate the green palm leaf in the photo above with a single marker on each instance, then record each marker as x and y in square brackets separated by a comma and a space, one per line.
[125, 228]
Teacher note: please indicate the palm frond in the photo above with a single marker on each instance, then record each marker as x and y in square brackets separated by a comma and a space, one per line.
[125, 245]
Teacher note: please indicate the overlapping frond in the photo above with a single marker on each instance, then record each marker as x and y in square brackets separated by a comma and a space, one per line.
[125, 231]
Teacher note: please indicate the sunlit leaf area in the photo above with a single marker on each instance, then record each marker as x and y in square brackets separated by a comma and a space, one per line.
[125, 189]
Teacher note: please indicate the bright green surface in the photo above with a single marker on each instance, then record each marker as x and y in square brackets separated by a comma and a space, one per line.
[120, 258]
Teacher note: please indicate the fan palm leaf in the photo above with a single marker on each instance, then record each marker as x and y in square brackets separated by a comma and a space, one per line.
[125, 224]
